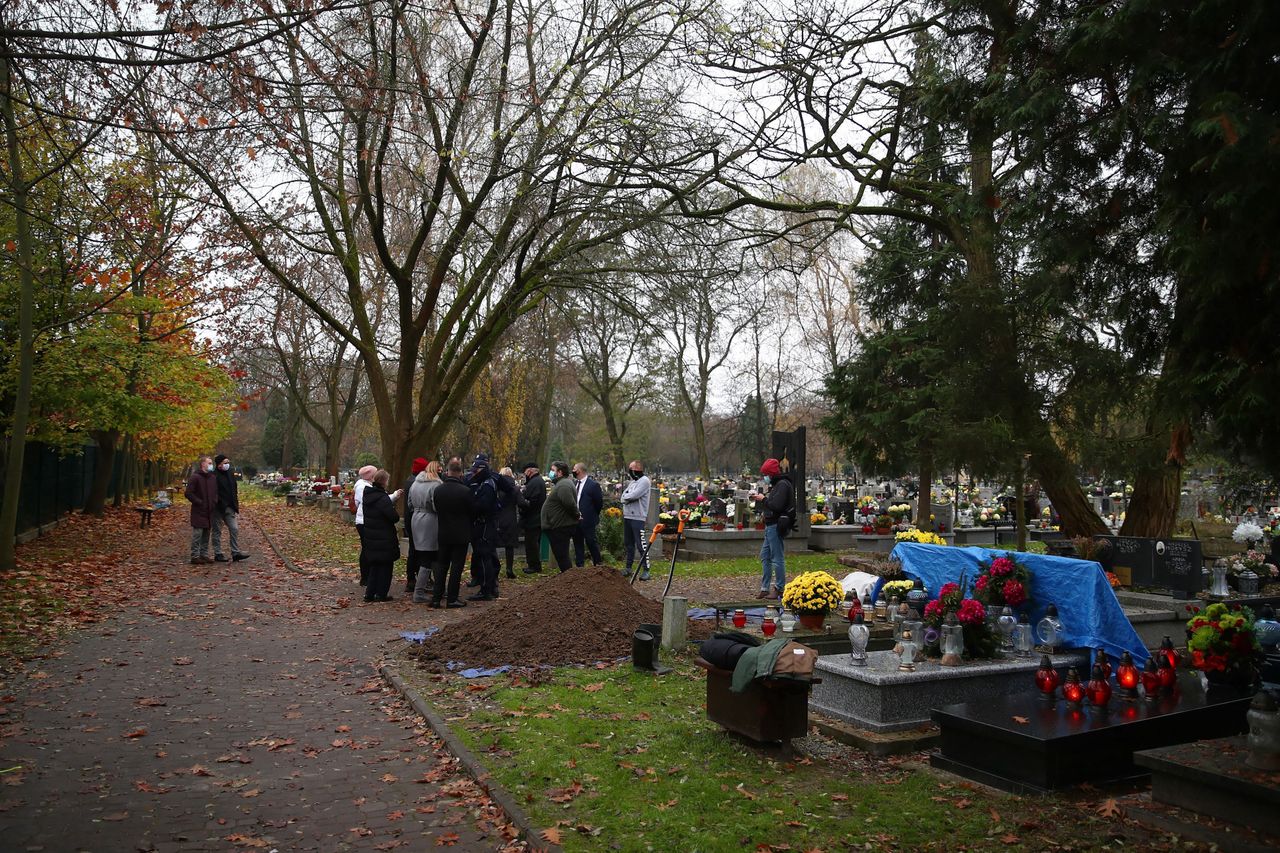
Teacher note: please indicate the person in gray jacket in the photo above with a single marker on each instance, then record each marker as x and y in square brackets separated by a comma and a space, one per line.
[426, 528]
[635, 512]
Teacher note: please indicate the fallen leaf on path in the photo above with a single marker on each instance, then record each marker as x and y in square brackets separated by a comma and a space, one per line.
[1109, 808]
[135, 733]
[115, 816]
[592, 688]
[246, 840]
[183, 662]
[447, 840]
[1022, 721]
[551, 835]
[149, 702]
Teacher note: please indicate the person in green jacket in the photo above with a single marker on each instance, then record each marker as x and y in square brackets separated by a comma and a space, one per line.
[560, 515]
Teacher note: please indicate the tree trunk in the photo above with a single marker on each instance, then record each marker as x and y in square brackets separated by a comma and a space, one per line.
[1020, 505]
[1059, 482]
[103, 465]
[26, 328]
[924, 499]
[700, 444]
[541, 445]
[1153, 510]
[332, 445]
[291, 418]
[615, 437]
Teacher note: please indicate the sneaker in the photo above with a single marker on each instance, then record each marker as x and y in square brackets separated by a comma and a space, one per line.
[644, 576]
[453, 604]
[218, 558]
[626, 573]
[239, 556]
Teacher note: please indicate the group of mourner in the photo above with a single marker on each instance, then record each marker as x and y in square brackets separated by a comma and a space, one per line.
[451, 510]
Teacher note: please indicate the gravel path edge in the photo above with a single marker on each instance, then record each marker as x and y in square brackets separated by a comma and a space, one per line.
[468, 760]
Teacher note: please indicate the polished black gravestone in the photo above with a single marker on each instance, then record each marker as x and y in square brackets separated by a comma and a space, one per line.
[1210, 777]
[1057, 746]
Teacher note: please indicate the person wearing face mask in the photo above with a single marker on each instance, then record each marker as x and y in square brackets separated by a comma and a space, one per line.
[560, 515]
[773, 505]
[531, 499]
[635, 512]
[202, 492]
[227, 511]
[590, 504]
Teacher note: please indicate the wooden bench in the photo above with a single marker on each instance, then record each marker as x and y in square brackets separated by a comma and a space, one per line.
[144, 515]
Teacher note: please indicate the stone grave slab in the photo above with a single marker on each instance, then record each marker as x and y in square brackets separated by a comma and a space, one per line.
[1057, 746]
[881, 698]
[1210, 777]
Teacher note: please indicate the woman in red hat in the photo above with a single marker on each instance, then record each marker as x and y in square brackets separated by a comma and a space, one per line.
[773, 505]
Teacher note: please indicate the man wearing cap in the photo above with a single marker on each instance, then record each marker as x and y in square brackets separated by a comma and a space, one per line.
[365, 477]
[773, 505]
[531, 498]
[226, 511]
[411, 564]
[484, 530]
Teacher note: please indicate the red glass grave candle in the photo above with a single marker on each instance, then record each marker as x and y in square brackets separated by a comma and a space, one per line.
[1098, 688]
[1100, 659]
[855, 608]
[1127, 678]
[1046, 678]
[1072, 689]
[739, 618]
[1169, 652]
[768, 627]
[1168, 676]
[1151, 679]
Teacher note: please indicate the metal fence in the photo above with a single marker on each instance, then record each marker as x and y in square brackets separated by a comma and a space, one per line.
[55, 483]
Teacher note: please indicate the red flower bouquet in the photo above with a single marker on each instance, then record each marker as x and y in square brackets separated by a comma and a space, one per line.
[1003, 581]
[979, 642]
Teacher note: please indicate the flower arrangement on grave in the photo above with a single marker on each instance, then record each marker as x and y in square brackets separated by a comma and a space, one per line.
[1247, 533]
[1003, 581]
[898, 588]
[883, 523]
[979, 641]
[668, 522]
[1114, 580]
[899, 511]
[817, 518]
[1250, 561]
[813, 593]
[924, 537]
[867, 505]
[1222, 644]
[988, 515]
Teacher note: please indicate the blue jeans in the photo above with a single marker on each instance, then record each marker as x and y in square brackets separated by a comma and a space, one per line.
[772, 559]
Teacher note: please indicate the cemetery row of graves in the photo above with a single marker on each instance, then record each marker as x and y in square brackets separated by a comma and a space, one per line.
[1089, 662]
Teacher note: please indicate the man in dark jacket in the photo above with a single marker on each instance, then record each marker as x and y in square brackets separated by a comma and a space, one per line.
[560, 515]
[774, 505]
[202, 492]
[455, 510]
[531, 498]
[411, 564]
[226, 511]
[590, 504]
[484, 530]
[381, 538]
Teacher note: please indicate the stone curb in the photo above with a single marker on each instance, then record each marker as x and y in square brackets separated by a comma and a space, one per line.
[469, 761]
[288, 564]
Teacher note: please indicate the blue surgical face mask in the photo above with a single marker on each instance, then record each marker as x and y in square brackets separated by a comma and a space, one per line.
[767, 479]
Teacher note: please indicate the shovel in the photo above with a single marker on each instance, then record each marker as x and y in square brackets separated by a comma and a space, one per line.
[644, 554]
[684, 516]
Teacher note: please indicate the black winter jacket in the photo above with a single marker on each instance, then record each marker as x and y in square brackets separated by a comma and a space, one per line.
[228, 491]
[531, 499]
[455, 508]
[380, 537]
[779, 500]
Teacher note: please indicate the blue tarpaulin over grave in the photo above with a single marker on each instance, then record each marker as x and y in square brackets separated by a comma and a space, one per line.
[1090, 614]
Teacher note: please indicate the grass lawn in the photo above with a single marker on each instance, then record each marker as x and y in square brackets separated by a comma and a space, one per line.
[612, 759]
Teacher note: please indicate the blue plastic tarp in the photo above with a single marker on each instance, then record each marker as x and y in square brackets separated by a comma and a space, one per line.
[1087, 607]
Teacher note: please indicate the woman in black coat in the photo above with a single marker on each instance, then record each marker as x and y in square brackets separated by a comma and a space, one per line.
[381, 539]
[508, 527]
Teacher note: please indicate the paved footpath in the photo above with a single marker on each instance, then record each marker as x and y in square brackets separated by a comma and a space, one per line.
[240, 709]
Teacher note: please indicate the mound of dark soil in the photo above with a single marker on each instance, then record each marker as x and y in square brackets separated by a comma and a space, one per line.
[577, 617]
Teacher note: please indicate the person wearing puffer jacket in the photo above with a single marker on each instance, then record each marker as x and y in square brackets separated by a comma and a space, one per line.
[426, 529]
[776, 503]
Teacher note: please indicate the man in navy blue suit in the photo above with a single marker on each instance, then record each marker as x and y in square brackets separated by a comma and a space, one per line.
[590, 504]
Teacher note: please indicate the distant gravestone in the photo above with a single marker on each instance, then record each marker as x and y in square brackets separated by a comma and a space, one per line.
[789, 450]
[1173, 564]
